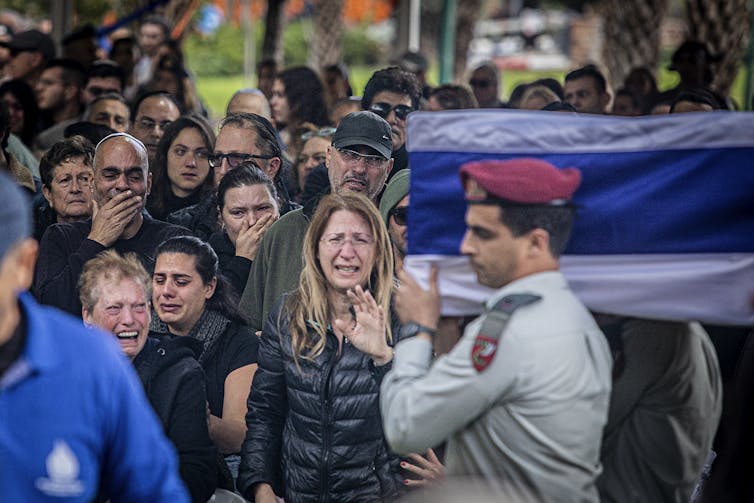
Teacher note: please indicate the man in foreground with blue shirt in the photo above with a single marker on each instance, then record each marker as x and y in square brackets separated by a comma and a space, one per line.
[73, 418]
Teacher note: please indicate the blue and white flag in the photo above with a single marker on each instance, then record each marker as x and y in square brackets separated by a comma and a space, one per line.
[665, 222]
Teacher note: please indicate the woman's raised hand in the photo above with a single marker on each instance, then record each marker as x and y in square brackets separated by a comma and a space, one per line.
[367, 332]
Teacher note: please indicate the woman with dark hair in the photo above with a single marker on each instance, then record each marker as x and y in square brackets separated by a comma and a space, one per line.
[181, 173]
[297, 98]
[193, 302]
[316, 431]
[247, 205]
[22, 109]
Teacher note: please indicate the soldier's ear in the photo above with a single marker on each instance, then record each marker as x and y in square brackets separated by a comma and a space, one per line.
[539, 242]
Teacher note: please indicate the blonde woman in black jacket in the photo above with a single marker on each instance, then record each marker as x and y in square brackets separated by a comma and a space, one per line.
[314, 426]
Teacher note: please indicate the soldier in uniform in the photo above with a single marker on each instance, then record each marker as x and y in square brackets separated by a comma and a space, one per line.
[523, 397]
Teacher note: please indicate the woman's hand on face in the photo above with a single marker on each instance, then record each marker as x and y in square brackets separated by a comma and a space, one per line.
[250, 236]
[367, 332]
[428, 468]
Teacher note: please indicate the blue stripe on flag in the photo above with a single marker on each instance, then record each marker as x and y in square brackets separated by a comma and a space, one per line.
[666, 219]
[689, 201]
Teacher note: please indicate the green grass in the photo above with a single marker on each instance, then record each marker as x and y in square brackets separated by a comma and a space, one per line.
[216, 91]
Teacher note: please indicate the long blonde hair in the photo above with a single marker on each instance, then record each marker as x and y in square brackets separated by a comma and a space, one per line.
[308, 305]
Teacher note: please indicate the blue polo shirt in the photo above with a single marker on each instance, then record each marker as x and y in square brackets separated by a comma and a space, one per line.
[73, 416]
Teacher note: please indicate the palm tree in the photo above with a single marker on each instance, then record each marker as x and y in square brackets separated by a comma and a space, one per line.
[328, 33]
[632, 35]
[724, 26]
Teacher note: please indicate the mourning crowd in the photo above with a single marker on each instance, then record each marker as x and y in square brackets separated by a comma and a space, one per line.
[251, 272]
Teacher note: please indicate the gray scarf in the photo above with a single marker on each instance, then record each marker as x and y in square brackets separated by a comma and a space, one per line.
[210, 326]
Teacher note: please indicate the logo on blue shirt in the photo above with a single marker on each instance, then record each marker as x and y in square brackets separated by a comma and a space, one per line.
[62, 472]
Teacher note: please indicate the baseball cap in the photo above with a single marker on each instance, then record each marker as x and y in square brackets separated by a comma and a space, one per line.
[395, 190]
[33, 40]
[364, 128]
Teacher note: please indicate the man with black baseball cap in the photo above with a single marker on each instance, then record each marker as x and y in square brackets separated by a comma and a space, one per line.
[359, 160]
[523, 396]
[30, 51]
[75, 420]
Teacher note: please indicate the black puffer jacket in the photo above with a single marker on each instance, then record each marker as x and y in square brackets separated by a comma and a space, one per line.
[200, 218]
[315, 434]
[174, 384]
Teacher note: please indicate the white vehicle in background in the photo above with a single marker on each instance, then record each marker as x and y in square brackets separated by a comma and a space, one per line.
[535, 40]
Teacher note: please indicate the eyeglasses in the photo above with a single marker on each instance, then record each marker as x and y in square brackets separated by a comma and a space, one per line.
[234, 159]
[338, 241]
[149, 124]
[400, 214]
[371, 161]
[325, 132]
[480, 83]
[384, 109]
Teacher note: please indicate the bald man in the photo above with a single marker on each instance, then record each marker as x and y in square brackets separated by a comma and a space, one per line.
[121, 184]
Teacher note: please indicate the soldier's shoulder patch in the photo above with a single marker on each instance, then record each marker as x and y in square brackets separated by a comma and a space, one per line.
[493, 325]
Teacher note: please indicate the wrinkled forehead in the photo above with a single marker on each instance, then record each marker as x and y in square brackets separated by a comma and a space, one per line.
[121, 150]
[158, 108]
[71, 164]
[234, 138]
[346, 222]
[114, 286]
[107, 104]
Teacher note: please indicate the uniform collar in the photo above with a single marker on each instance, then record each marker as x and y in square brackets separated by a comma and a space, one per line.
[533, 283]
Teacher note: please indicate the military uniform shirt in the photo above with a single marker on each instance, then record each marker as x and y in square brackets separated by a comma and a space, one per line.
[530, 423]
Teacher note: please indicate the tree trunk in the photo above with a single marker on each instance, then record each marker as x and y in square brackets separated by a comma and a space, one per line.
[724, 26]
[467, 15]
[326, 47]
[632, 35]
[272, 47]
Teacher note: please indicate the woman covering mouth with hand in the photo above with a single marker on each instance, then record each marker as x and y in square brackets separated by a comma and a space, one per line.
[196, 305]
[248, 206]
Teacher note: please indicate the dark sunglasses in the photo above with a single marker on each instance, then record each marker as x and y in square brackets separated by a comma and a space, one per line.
[480, 83]
[234, 159]
[400, 214]
[384, 109]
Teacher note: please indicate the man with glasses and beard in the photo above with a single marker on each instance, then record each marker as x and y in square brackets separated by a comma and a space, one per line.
[75, 420]
[359, 160]
[243, 138]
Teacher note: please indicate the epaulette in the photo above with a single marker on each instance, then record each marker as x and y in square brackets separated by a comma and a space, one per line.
[493, 325]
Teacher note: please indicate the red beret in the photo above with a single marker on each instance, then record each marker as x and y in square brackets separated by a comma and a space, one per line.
[519, 181]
